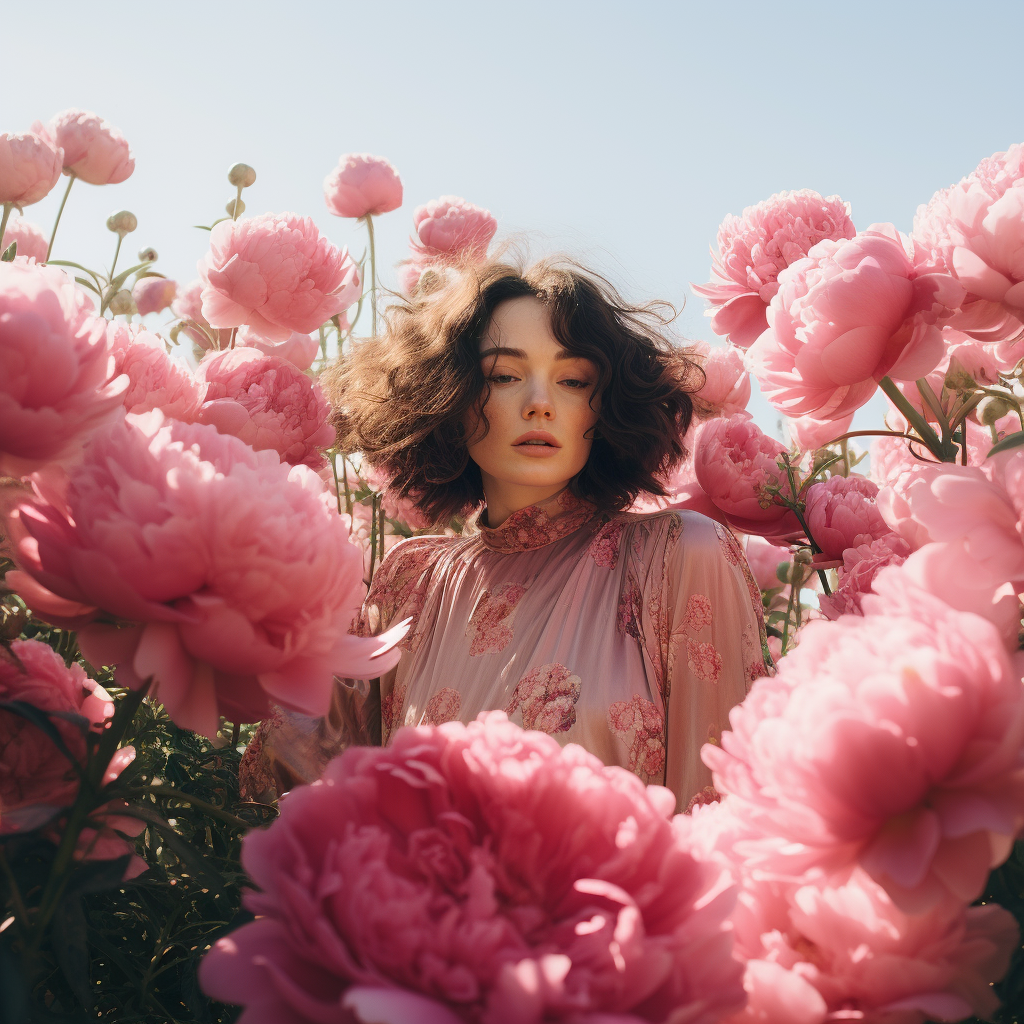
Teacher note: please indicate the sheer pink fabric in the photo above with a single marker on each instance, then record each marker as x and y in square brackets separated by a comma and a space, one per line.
[632, 635]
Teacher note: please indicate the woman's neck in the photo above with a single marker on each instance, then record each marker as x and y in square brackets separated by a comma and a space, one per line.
[504, 499]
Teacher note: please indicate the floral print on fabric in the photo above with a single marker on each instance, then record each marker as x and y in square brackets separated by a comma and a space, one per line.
[604, 548]
[698, 612]
[704, 661]
[547, 696]
[399, 590]
[708, 795]
[489, 629]
[642, 726]
[538, 525]
[735, 556]
[443, 706]
[628, 617]
[391, 705]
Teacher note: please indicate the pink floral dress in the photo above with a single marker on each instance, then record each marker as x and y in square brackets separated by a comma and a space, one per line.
[631, 634]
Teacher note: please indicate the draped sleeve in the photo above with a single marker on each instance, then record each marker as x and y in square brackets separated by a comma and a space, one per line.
[704, 634]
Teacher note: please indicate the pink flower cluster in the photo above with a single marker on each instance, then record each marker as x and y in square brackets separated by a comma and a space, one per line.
[726, 389]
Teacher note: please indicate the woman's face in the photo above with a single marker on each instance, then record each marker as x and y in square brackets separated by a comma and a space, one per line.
[541, 408]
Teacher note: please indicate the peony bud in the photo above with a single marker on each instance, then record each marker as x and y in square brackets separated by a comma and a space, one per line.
[122, 223]
[992, 408]
[241, 175]
[148, 255]
[234, 207]
[122, 303]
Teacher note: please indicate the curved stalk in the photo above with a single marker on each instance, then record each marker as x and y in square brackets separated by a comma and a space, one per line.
[53, 233]
[373, 275]
[3, 221]
[928, 436]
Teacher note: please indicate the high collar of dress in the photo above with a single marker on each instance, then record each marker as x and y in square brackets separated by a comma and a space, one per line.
[538, 525]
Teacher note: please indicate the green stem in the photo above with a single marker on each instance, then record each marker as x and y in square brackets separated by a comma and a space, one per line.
[935, 405]
[344, 477]
[373, 275]
[53, 234]
[176, 794]
[117, 252]
[928, 436]
[20, 911]
[234, 205]
[3, 221]
[374, 511]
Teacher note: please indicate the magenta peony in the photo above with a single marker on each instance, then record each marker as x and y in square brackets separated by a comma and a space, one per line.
[850, 314]
[188, 305]
[362, 185]
[94, 150]
[29, 167]
[893, 741]
[755, 248]
[31, 241]
[861, 564]
[36, 778]
[736, 465]
[807, 434]
[975, 231]
[55, 365]
[841, 513]
[298, 349]
[277, 274]
[451, 229]
[726, 387]
[478, 873]
[266, 402]
[153, 294]
[229, 573]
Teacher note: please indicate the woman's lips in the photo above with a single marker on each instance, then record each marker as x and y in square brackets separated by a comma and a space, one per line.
[537, 444]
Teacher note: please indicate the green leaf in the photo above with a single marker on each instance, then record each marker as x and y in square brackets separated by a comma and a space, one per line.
[9, 253]
[118, 282]
[87, 284]
[71, 947]
[14, 990]
[1010, 441]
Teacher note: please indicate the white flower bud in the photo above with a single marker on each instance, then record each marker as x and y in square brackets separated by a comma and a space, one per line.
[122, 303]
[148, 255]
[241, 175]
[122, 223]
[234, 207]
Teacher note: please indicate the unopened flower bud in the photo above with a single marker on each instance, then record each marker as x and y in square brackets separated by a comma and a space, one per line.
[784, 572]
[122, 223]
[122, 303]
[803, 556]
[241, 175]
[235, 207]
[992, 408]
[148, 255]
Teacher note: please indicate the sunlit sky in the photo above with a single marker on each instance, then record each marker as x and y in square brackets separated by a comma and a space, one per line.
[619, 133]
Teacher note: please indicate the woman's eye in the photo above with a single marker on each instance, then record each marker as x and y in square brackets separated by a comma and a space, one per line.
[575, 383]
[501, 378]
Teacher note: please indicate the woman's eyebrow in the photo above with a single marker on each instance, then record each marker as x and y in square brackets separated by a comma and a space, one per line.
[518, 353]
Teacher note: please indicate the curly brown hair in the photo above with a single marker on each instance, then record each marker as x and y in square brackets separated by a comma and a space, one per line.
[402, 399]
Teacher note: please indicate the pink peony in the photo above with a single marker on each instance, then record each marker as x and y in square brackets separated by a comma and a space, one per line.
[726, 389]
[850, 314]
[807, 434]
[266, 402]
[764, 559]
[861, 564]
[478, 873]
[55, 364]
[94, 150]
[36, 778]
[975, 231]
[893, 741]
[755, 248]
[736, 465]
[402, 510]
[451, 229]
[32, 243]
[841, 513]
[29, 167]
[153, 294]
[362, 185]
[277, 274]
[230, 573]
[188, 305]
[298, 349]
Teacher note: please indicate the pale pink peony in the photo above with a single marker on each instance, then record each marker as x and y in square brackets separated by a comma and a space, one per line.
[277, 274]
[841, 513]
[402, 510]
[36, 778]
[736, 465]
[861, 564]
[807, 434]
[850, 314]
[893, 741]
[232, 571]
[726, 389]
[29, 167]
[764, 559]
[975, 231]
[94, 150]
[267, 402]
[32, 243]
[451, 229]
[298, 349]
[55, 365]
[362, 185]
[188, 305]
[153, 294]
[753, 249]
[478, 873]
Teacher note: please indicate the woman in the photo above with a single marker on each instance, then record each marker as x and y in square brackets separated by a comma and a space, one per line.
[545, 398]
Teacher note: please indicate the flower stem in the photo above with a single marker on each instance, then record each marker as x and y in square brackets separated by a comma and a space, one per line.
[234, 205]
[199, 805]
[3, 221]
[53, 234]
[373, 274]
[928, 436]
[117, 252]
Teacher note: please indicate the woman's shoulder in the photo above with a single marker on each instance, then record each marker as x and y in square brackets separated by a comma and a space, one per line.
[670, 526]
[414, 555]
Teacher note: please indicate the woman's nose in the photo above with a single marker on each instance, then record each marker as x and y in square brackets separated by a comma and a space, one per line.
[538, 403]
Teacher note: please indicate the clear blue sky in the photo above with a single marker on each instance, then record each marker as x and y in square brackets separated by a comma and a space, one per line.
[621, 133]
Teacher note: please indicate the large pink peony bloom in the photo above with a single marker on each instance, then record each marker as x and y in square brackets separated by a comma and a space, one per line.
[29, 167]
[726, 389]
[478, 873]
[452, 229]
[841, 513]
[55, 364]
[32, 243]
[230, 573]
[153, 294]
[861, 565]
[893, 741]
[266, 402]
[188, 305]
[764, 559]
[94, 150]
[845, 317]
[36, 778]
[755, 248]
[808, 434]
[298, 349]
[362, 185]
[975, 231]
[277, 274]
[736, 465]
